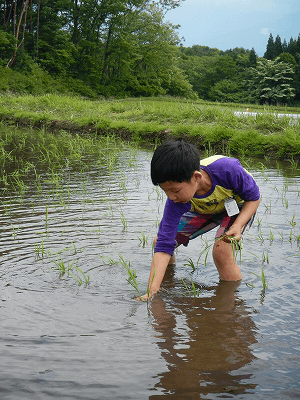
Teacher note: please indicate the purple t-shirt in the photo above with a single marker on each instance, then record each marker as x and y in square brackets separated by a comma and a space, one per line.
[229, 180]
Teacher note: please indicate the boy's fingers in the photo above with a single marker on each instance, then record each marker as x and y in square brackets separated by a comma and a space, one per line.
[143, 298]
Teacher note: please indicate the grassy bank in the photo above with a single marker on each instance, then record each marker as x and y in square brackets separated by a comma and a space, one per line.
[211, 126]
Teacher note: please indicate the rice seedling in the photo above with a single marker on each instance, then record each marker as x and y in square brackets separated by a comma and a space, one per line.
[268, 207]
[122, 185]
[190, 263]
[263, 279]
[82, 278]
[205, 251]
[15, 231]
[278, 167]
[258, 222]
[276, 189]
[39, 249]
[280, 234]
[294, 164]
[62, 267]
[74, 248]
[192, 290]
[265, 257]
[17, 182]
[286, 203]
[110, 261]
[123, 220]
[143, 239]
[46, 218]
[293, 222]
[132, 276]
[236, 246]
[260, 238]
[137, 182]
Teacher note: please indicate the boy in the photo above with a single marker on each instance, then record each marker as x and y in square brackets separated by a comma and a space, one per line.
[219, 192]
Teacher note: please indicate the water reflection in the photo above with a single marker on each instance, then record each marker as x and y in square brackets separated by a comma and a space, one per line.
[205, 341]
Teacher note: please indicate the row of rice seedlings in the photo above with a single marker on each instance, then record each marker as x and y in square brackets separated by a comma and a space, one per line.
[31, 150]
[273, 234]
[56, 183]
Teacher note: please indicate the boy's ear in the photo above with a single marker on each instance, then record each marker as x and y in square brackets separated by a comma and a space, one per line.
[197, 175]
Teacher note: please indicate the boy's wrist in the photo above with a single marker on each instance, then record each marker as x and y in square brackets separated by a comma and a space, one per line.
[152, 290]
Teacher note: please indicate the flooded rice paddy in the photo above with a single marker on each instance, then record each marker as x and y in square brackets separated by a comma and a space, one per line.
[71, 328]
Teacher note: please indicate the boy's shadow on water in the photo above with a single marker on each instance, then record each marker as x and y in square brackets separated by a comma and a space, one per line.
[204, 341]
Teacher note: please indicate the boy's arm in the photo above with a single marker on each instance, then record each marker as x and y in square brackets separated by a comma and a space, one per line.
[166, 244]
[249, 209]
[159, 265]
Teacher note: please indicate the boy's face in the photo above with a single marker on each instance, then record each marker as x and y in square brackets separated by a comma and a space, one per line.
[181, 192]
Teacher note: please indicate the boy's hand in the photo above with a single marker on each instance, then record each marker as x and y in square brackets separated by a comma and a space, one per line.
[234, 231]
[249, 209]
[145, 297]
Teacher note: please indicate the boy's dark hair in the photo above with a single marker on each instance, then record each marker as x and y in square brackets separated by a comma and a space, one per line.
[174, 161]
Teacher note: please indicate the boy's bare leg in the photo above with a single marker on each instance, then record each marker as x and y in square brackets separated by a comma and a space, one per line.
[172, 260]
[225, 261]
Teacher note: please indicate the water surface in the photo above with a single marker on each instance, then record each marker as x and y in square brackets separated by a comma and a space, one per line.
[63, 338]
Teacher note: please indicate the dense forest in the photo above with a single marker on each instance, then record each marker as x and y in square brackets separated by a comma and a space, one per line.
[127, 48]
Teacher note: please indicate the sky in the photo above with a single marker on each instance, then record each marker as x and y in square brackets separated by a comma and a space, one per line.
[226, 24]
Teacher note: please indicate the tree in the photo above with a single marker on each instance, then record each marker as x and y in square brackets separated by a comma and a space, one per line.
[287, 58]
[227, 90]
[292, 47]
[117, 47]
[271, 82]
[278, 46]
[205, 71]
[133, 53]
[7, 47]
[284, 46]
[200, 51]
[270, 52]
[19, 21]
[225, 67]
[252, 57]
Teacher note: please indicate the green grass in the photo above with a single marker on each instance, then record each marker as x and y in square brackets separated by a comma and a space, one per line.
[212, 126]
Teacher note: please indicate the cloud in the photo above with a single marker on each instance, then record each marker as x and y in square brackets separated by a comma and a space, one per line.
[264, 31]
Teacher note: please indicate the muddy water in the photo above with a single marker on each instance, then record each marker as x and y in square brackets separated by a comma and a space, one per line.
[63, 338]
